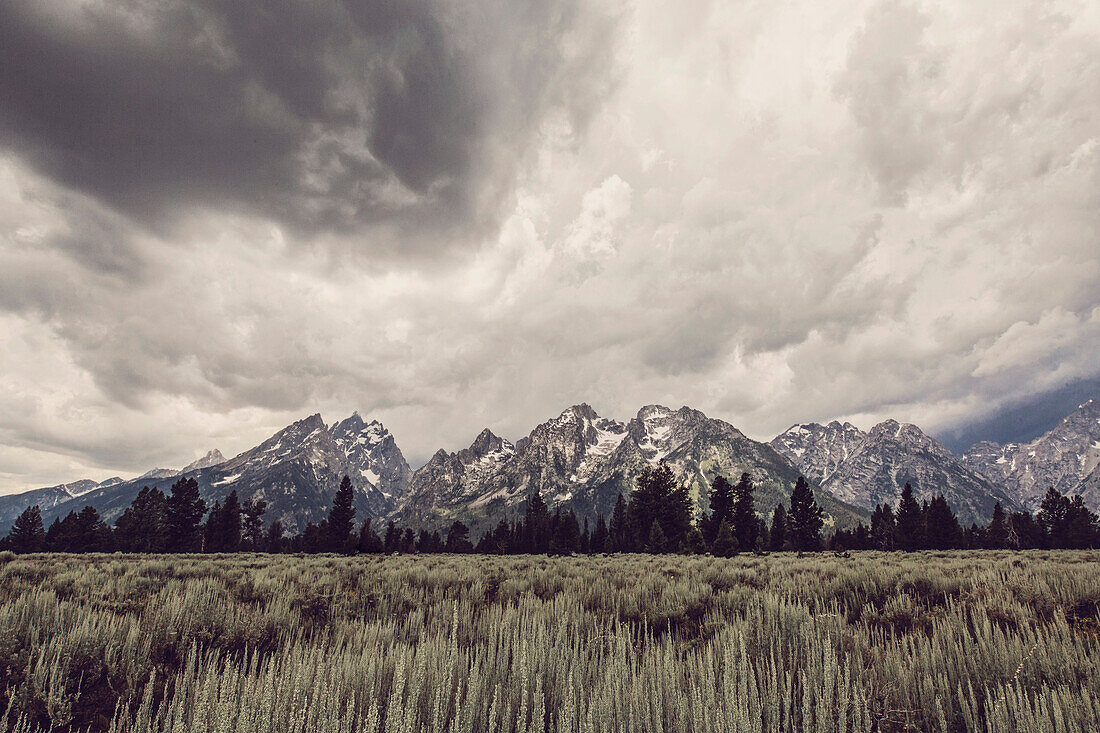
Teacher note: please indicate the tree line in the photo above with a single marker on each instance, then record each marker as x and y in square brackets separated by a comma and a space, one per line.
[1062, 522]
[657, 518]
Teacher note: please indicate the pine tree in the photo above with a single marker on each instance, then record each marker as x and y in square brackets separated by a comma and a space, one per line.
[1053, 518]
[656, 542]
[183, 514]
[1080, 525]
[341, 518]
[909, 522]
[744, 523]
[996, 535]
[725, 543]
[369, 541]
[252, 523]
[883, 527]
[659, 497]
[805, 520]
[273, 540]
[392, 540]
[142, 527]
[566, 532]
[942, 527]
[28, 533]
[694, 543]
[92, 533]
[536, 525]
[599, 535]
[721, 508]
[618, 533]
[777, 538]
[458, 538]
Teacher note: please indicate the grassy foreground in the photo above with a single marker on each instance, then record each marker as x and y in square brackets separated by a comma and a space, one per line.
[992, 641]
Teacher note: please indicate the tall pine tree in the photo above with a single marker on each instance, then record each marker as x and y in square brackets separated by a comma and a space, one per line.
[778, 535]
[909, 522]
[805, 520]
[28, 533]
[341, 518]
[745, 525]
[721, 509]
[183, 515]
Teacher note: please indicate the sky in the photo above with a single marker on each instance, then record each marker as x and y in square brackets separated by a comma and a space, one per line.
[219, 217]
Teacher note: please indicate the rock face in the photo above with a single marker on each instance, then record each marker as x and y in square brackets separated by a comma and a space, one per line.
[1063, 458]
[296, 471]
[584, 461]
[870, 468]
[369, 450]
[819, 450]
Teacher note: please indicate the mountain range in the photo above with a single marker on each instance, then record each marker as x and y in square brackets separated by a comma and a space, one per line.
[583, 461]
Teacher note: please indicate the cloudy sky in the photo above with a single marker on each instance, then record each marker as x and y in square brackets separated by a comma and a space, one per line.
[217, 217]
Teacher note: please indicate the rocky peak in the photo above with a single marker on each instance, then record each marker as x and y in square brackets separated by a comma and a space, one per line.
[212, 458]
[371, 454]
[485, 445]
[819, 450]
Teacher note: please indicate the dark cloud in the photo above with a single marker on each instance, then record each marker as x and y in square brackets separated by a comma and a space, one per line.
[327, 116]
[1025, 419]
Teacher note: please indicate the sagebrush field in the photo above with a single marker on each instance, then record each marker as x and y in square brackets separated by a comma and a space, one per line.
[991, 641]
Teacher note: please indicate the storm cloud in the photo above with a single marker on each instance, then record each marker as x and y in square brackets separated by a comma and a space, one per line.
[216, 217]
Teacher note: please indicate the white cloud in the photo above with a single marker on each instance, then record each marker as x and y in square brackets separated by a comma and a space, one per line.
[773, 213]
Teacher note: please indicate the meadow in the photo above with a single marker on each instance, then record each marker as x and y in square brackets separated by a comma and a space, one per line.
[994, 641]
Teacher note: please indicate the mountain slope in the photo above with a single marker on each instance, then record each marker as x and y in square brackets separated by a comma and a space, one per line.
[12, 505]
[296, 471]
[1063, 458]
[819, 450]
[582, 460]
[893, 454]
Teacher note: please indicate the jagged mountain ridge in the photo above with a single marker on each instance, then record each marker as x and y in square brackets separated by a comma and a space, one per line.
[296, 471]
[869, 468]
[1064, 458]
[819, 450]
[584, 461]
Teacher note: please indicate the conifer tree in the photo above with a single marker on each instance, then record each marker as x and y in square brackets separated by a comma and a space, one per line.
[28, 533]
[942, 530]
[369, 541]
[142, 527]
[536, 525]
[725, 543]
[273, 539]
[656, 542]
[721, 508]
[183, 514]
[252, 523]
[1053, 517]
[805, 520]
[909, 522]
[659, 497]
[883, 527]
[392, 540]
[744, 523]
[618, 533]
[341, 518]
[565, 533]
[996, 535]
[458, 538]
[599, 535]
[777, 538]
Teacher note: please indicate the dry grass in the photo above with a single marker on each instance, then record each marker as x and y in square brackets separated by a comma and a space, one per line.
[992, 641]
